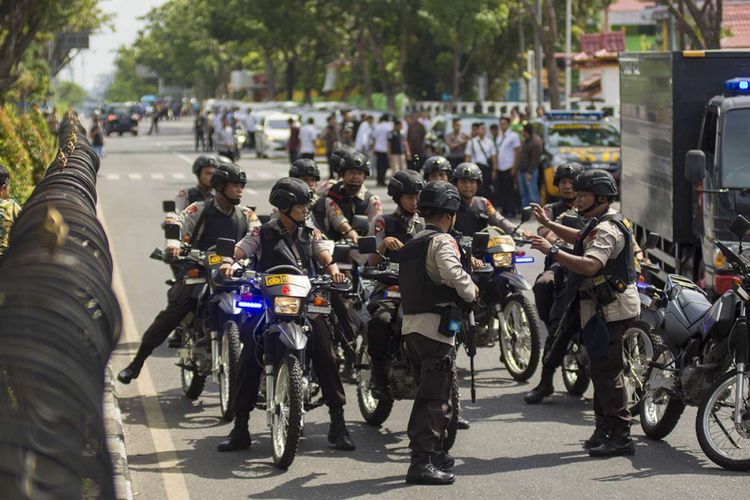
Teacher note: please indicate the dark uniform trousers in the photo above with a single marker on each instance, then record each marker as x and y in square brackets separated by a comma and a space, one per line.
[610, 395]
[179, 303]
[431, 362]
[544, 294]
[320, 350]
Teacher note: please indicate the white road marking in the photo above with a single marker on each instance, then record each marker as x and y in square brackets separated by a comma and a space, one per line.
[264, 176]
[184, 158]
[178, 176]
[135, 177]
[157, 176]
[174, 482]
[112, 177]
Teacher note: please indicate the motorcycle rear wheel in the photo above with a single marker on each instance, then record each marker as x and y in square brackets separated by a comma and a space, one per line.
[288, 407]
[520, 341]
[575, 376]
[374, 411]
[229, 364]
[660, 412]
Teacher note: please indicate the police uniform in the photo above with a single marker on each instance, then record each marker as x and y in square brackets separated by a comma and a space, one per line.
[9, 210]
[336, 208]
[187, 197]
[477, 215]
[609, 242]
[431, 277]
[402, 227]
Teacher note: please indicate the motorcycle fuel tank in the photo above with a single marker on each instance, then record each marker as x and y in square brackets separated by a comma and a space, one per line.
[686, 306]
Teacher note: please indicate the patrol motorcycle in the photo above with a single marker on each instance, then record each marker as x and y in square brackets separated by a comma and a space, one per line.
[286, 297]
[504, 310]
[703, 361]
[209, 336]
[401, 383]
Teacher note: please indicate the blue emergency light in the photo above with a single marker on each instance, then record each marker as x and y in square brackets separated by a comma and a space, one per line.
[523, 259]
[740, 85]
[250, 304]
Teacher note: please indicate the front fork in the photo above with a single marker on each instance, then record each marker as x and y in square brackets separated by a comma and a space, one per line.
[215, 355]
[741, 344]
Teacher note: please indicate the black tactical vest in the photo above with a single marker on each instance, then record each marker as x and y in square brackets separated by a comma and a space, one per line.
[216, 224]
[195, 194]
[470, 220]
[349, 205]
[395, 227]
[278, 248]
[558, 208]
[419, 294]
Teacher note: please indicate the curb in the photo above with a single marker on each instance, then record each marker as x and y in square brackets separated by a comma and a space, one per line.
[116, 439]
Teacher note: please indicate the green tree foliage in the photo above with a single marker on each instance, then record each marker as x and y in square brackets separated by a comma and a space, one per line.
[69, 94]
[126, 85]
[14, 156]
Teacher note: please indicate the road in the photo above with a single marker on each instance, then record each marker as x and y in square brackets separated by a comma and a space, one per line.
[511, 451]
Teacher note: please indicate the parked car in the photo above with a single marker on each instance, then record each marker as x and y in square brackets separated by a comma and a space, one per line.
[121, 117]
[272, 134]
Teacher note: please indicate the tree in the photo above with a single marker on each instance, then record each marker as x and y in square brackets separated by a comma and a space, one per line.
[701, 22]
[69, 94]
[126, 84]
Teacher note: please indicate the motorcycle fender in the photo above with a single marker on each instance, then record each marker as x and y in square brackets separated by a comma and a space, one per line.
[228, 305]
[291, 335]
[516, 281]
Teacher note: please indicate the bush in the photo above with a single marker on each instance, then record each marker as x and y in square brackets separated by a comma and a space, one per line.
[14, 156]
[37, 147]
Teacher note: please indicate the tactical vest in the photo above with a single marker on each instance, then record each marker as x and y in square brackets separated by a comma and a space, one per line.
[470, 219]
[558, 208]
[419, 294]
[349, 205]
[395, 227]
[278, 248]
[216, 224]
[195, 194]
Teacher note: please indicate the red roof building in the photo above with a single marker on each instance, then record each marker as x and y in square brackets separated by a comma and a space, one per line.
[736, 19]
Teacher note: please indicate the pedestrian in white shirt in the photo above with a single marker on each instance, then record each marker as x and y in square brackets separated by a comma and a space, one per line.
[364, 136]
[481, 151]
[380, 136]
[224, 140]
[307, 135]
[506, 181]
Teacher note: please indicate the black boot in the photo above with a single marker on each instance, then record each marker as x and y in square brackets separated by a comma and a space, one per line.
[544, 389]
[239, 437]
[601, 433]
[174, 341]
[422, 471]
[338, 435]
[378, 382]
[134, 368]
[617, 444]
[443, 461]
[463, 424]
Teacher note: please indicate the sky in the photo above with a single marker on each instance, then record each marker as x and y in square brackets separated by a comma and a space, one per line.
[98, 59]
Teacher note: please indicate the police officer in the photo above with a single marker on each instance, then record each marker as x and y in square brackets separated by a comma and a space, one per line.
[551, 279]
[306, 250]
[475, 212]
[203, 170]
[432, 283]
[347, 198]
[391, 232]
[602, 270]
[307, 170]
[437, 168]
[202, 223]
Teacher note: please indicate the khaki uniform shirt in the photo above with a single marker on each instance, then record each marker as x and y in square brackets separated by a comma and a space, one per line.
[188, 218]
[9, 210]
[335, 217]
[181, 200]
[604, 243]
[494, 218]
[414, 224]
[251, 244]
[443, 266]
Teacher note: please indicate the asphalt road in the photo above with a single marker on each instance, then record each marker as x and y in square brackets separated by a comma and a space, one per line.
[511, 451]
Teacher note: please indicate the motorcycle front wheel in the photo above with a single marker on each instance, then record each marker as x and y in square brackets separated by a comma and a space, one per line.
[659, 409]
[192, 383]
[375, 411]
[288, 405]
[228, 366]
[575, 375]
[638, 351]
[520, 339]
[725, 443]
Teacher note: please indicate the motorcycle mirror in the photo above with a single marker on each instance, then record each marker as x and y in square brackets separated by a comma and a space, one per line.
[479, 242]
[367, 244]
[739, 227]
[361, 224]
[172, 231]
[525, 214]
[340, 253]
[168, 206]
[225, 247]
[652, 241]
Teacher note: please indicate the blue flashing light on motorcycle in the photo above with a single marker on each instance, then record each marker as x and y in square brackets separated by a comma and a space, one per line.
[250, 304]
[523, 260]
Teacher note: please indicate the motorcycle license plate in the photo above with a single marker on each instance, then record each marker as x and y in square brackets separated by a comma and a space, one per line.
[277, 279]
[319, 309]
[392, 295]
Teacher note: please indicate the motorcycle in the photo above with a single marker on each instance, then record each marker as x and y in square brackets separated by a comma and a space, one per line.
[209, 339]
[702, 361]
[504, 311]
[286, 297]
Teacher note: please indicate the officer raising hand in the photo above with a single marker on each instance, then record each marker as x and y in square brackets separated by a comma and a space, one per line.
[433, 284]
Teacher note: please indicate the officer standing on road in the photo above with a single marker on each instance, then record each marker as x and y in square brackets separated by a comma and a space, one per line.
[437, 168]
[203, 170]
[602, 270]
[475, 212]
[433, 282]
[305, 244]
[549, 284]
[202, 223]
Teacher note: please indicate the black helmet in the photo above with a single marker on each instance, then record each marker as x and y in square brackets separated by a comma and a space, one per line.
[468, 170]
[204, 161]
[226, 172]
[404, 182]
[436, 164]
[439, 196]
[596, 181]
[290, 191]
[337, 156]
[354, 160]
[304, 167]
[570, 170]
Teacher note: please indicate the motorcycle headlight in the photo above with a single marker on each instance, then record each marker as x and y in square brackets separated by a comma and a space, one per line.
[287, 306]
[503, 259]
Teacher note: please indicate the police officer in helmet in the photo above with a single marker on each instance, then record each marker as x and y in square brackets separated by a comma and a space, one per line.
[391, 232]
[203, 169]
[307, 170]
[201, 223]
[290, 239]
[602, 273]
[433, 283]
[475, 212]
[437, 168]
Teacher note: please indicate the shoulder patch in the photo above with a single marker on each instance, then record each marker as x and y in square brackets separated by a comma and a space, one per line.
[192, 209]
[490, 207]
[592, 234]
[379, 225]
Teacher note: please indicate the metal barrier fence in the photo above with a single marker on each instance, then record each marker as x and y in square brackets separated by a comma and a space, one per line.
[59, 323]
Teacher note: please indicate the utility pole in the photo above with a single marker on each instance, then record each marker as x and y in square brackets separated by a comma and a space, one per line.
[568, 55]
[538, 57]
